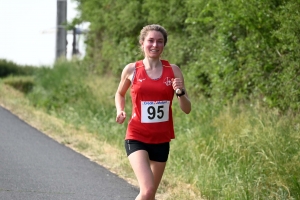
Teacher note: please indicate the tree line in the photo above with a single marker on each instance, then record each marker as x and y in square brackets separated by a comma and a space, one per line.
[228, 50]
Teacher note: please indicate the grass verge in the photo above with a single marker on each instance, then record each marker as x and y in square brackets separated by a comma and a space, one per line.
[238, 151]
[88, 143]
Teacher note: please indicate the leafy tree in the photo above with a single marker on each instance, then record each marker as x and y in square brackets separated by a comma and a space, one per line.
[227, 49]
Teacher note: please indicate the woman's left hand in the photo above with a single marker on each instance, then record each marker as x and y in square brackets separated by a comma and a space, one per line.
[177, 83]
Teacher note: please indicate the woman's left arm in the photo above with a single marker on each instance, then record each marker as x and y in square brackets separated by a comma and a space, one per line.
[178, 83]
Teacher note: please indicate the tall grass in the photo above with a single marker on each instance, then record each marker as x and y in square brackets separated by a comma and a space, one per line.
[242, 152]
[80, 98]
[238, 151]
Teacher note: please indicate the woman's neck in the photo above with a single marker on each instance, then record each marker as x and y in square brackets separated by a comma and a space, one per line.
[152, 63]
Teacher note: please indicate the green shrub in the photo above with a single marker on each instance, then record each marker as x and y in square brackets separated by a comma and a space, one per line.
[62, 90]
[60, 86]
[227, 49]
[8, 68]
[21, 83]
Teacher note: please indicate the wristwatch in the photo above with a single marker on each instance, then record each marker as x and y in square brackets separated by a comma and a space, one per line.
[180, 92]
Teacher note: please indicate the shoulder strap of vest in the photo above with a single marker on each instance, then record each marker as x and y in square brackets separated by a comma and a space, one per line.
[138, 64]
[165, 63]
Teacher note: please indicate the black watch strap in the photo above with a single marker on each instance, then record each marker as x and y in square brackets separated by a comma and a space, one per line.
[181, 94]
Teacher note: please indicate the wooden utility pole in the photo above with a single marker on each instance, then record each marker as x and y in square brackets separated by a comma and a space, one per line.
[61, 32]
[74, 45]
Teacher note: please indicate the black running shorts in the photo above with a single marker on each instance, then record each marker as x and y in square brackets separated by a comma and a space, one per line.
[156, 152]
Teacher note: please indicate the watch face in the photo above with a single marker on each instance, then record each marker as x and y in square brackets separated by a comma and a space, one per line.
[178, 91]
[181, 93]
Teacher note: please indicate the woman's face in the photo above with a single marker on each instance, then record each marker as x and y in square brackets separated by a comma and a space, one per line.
[153, 45]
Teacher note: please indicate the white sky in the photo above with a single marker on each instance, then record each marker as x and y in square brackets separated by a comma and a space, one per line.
[27, 31]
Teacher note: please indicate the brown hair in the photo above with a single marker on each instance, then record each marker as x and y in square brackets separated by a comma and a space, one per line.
[153, 27]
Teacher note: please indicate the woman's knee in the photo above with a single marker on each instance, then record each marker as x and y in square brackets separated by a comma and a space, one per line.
[148, 192]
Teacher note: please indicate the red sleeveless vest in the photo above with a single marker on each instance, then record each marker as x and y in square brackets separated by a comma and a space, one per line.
[151, 121]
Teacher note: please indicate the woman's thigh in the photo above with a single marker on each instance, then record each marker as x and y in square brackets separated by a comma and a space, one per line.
[140, 164]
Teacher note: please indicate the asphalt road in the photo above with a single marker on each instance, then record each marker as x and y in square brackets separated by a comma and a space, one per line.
[35, 167]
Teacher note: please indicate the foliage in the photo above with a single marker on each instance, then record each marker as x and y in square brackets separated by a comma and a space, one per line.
[227, 49]
[69, 92]
[61, 88]
[238, 151]
[21, 83]
[8, 68]
[233, 152]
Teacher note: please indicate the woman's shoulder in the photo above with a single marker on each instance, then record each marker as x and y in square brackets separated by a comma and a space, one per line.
[176, 70]
[175, 67]
[129, 68]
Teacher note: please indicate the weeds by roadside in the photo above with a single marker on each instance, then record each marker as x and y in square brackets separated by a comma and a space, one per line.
[238, 151]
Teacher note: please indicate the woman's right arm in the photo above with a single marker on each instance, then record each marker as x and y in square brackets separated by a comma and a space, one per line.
[124, 84]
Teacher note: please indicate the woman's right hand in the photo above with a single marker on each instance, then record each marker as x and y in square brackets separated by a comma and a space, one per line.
[121, 116]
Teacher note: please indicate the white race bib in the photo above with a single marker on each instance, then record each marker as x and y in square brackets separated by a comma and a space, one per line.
[154, 111]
